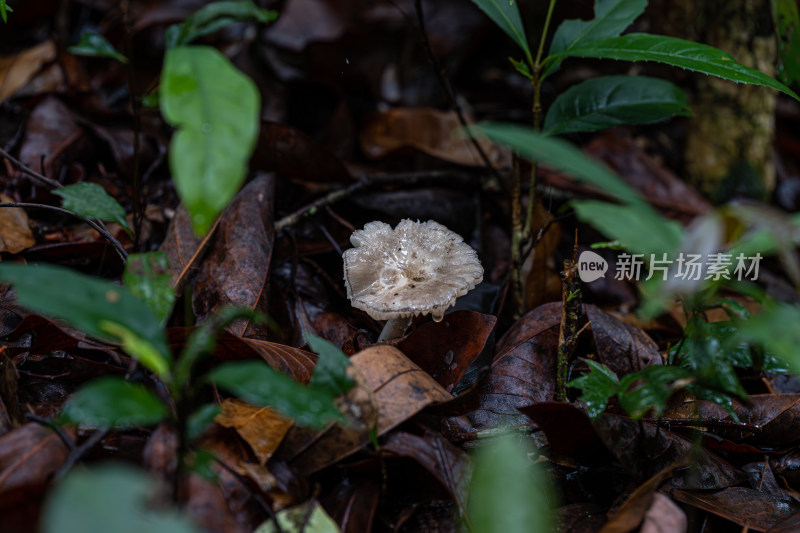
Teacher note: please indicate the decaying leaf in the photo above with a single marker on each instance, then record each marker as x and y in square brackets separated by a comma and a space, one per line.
[262, 428]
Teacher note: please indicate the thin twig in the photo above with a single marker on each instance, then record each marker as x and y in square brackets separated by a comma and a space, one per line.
[40, 178]
[78, 452]
[93, 223]
[448, 90]
[46, 422]
[366, 181]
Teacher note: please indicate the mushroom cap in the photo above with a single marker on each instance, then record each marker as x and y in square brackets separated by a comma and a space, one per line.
[415, 269]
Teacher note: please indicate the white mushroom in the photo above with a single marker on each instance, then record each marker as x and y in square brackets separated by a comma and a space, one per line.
[415, 269]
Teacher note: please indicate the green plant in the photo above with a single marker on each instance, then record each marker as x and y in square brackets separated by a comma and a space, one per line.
[704, 362]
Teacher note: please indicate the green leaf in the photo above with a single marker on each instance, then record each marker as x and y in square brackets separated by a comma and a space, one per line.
[521, 67]
[139, 347]
[559, 155]
[95, 45]
[308, 517]
[609, 101]
[505, 13]
[598, 386]
[650, 388]
[610, 19]
[330, 374]
[113, 497]
[508, 492]
[638, 227]
[85, 303]
[5, 9]
[215, 108]
[147, 276]
[90, 200]
[111, 403]
[787, 26]
[257, 383]
[676, 52]
[213, 17]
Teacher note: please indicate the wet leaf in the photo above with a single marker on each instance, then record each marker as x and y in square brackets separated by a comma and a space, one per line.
[353, 505]
[51, 132]
[261, 427]
[95, 45]
[108, 498]
[446, 349]
[185, 251]
[622, 347]
[597, 386]
[215, 108]
[330, 374]
[747, 507]
[650, 388]
[113, 402]
[236, 270]
[569, 432]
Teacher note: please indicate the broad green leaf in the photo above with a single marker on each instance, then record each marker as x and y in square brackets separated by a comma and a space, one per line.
[637, 227]
[111, 403]
[215, 109]
[787, 26]
[330, 374]
[257, 383]
[609, 101]
[308, 517]
[598, 386]
[611, 17]
[95, 45]
[139, 348]
[90, 200]
[508, 492]
[676, 52]
[147, 276]
[86, 303]
[505, 13]
[213, 17]
[112, 497]
[650, 388]
[559, 155]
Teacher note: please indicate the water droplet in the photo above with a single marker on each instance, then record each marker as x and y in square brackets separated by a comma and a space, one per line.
[437, 317]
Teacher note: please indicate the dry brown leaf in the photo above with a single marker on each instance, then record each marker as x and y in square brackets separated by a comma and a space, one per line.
[15, 231]
[262, 428]
[16, 70]
[436, 133]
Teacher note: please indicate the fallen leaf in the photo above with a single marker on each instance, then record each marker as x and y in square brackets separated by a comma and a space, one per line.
[749, 508]
[18, 69]
[621, 347]
[262, 428]
[15, 230]
[236, 269]
[664, 515]
[353, 503]
[436, 133]
[185, 251]
[446, 349]
[50, 132]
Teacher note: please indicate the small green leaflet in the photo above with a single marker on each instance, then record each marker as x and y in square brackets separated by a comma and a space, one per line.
[598, 386]
[147, 276]
[676, 52]
[215, 109]
[90, 200]
[213, 17]
[330, 374]
[113, 403]
[95, 45]
[611, 18]
[5, 9]
[609, 101]
[506, 15]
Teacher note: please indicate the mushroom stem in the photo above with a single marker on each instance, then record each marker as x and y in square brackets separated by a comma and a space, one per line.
[394, 328]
